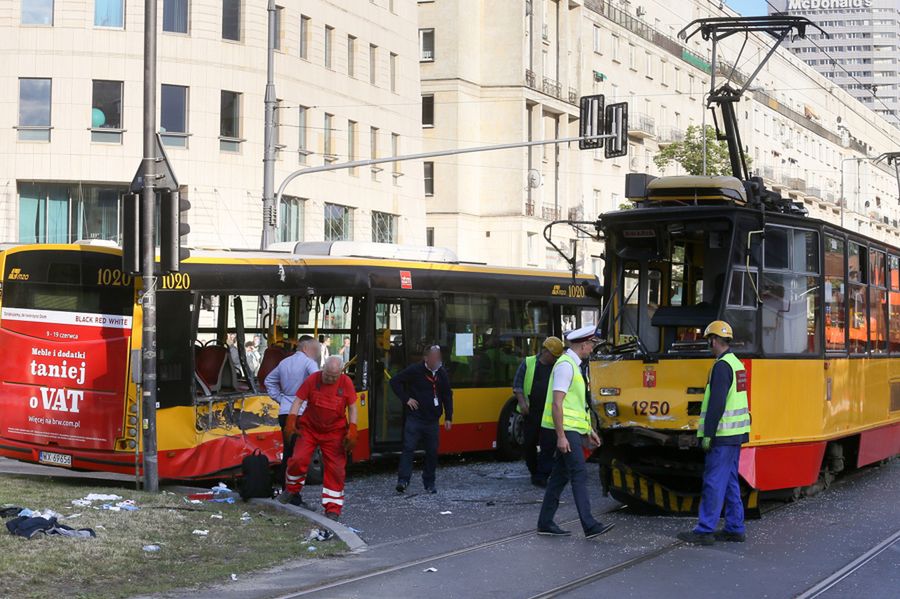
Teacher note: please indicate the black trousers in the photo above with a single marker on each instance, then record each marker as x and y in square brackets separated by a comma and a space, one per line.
[539, 464]
[416, 430]
[288, 449]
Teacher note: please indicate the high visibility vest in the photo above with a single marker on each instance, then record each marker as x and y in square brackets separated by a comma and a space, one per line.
[736, 418]
[530, 367]
[575, 412]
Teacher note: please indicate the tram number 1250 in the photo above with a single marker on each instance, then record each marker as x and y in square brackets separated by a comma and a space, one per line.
[651, 408]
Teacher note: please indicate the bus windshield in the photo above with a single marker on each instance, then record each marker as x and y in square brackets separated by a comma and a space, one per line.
[668, 284]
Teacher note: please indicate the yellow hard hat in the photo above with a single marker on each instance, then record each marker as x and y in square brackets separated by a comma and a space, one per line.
[554, 345]
[719, 328]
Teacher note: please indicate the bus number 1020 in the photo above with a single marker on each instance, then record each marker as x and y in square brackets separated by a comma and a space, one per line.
[113, 277]
[176, 280]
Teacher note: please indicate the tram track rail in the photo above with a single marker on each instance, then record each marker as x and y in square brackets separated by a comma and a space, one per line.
[611, 570]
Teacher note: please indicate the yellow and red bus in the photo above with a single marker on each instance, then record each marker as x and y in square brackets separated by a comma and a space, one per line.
[816, 315]
[70, 337]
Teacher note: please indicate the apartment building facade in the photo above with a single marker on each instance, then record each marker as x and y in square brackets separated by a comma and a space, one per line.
[347, 83]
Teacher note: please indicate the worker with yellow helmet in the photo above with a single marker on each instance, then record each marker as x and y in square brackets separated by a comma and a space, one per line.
[530, 389]
[723, 427]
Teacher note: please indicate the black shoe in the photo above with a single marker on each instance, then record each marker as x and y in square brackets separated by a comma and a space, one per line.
[539, 482]
[333, 516]
[697, 538]
[431, 490]
[285, 497]
[401, 486]
[732, 537]
[553, 531]
[298, 501]
[597, 530]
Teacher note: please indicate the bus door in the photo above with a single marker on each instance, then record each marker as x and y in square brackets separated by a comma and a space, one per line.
[403, 329]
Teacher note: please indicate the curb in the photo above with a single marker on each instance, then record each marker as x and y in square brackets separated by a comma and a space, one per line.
[356, 544]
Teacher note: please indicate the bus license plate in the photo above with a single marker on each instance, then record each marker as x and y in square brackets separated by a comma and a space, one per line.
[56, 459]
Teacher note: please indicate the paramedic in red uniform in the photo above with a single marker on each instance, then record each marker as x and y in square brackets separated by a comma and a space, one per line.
[327, 398]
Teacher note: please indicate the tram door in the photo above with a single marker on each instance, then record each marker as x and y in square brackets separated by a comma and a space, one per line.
[404, 327]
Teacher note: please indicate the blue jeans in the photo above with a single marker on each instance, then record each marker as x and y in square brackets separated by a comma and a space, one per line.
[721, 486]
[416, 430]
[568, 467]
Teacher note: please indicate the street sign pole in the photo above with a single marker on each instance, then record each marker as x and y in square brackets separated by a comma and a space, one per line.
[269, 206]
[147, 250]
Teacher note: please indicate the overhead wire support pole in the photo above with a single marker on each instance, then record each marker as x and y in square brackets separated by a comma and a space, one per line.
[436, 154]
[147, 249]
[269, 205]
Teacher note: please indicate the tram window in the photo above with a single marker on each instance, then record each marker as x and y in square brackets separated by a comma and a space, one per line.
[777, 256]
[877, 303]
[790, 313]
[835, 295]
[857, 263]
[742, 291]
[894, 304]
[858, 300]
[743, 323]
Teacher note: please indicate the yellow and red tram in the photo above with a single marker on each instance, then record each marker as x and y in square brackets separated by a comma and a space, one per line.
[816, 314]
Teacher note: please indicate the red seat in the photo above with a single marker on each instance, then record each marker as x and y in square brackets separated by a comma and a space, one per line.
[271, 358]
[209, 362]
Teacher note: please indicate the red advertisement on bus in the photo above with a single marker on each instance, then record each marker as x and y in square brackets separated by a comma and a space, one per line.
[64, 377]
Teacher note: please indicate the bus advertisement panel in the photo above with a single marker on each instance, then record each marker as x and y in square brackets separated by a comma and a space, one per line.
[64, 377]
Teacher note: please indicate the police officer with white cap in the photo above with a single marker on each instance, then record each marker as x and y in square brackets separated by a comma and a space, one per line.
[567, 414]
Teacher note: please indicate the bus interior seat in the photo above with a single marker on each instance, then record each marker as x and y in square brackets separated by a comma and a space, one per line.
[210, 364]
[271, 358]
[231, 378]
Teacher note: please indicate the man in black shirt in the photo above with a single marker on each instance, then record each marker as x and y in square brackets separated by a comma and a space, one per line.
[424, 389]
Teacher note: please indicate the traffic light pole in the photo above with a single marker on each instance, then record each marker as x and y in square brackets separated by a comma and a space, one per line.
[147, 247]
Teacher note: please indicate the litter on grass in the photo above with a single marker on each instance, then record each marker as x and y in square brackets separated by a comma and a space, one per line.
[200, 533]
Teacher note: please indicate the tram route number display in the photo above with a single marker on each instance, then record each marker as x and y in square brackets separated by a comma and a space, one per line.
[650, 408]
[64, 377]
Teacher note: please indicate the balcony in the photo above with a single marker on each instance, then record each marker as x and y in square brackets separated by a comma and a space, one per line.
[642, 126]
[529, 208]
[552, 88]
[795, 183]
[670, 135]
[815, 192]
[530, 79]
[550, 212]
[768, 173]
[576, 213]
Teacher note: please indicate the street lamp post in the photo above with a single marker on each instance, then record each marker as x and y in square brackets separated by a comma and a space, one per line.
[843, 200]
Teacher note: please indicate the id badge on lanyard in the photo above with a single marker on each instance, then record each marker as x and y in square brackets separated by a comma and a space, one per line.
[433, 382]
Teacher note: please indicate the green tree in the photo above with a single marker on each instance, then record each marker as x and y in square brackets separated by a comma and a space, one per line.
[689, 153]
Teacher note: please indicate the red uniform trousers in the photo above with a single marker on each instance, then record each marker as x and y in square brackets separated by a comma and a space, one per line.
[334, 464]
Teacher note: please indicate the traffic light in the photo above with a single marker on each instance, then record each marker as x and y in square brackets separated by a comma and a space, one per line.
[131, 233]
[172, 226]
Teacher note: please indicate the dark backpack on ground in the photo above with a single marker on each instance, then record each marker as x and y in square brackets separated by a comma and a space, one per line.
[257, 476]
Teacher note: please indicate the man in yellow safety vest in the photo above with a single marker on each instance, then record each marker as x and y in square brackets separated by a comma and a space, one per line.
[723, 427]
[567, 413]
[530, 389]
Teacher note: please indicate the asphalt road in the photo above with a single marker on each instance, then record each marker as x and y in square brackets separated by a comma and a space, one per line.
[486, 546]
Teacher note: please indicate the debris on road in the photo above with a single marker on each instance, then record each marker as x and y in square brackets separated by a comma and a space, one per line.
[446, 513]
[430, 570]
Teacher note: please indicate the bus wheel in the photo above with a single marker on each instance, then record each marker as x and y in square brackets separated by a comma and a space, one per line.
[510, 433]
[314, 474]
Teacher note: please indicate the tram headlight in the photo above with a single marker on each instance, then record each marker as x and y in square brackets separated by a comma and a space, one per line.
[611, 409]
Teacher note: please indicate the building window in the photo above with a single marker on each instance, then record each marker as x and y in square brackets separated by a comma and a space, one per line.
[615, 48]
[393, 72]
[290, 218]
[279, 29]
[384, 227]
[351, 55]
[52, 213]
[429, 178]
[429, 236]
[230, 122]
[598, 37]
[329, 35]
[395, 151]
[327, 147]
[37, 12]
[426, 45]
[231, 20]
[351, 144]
[34, 109]
[109, 13]
[373, 151]
[301, 125]
[531, 248]
[175, 16]
[304, 37]
[338, 223]
[173, 115]
[106, 112]
[428, 110]
[373, 61]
